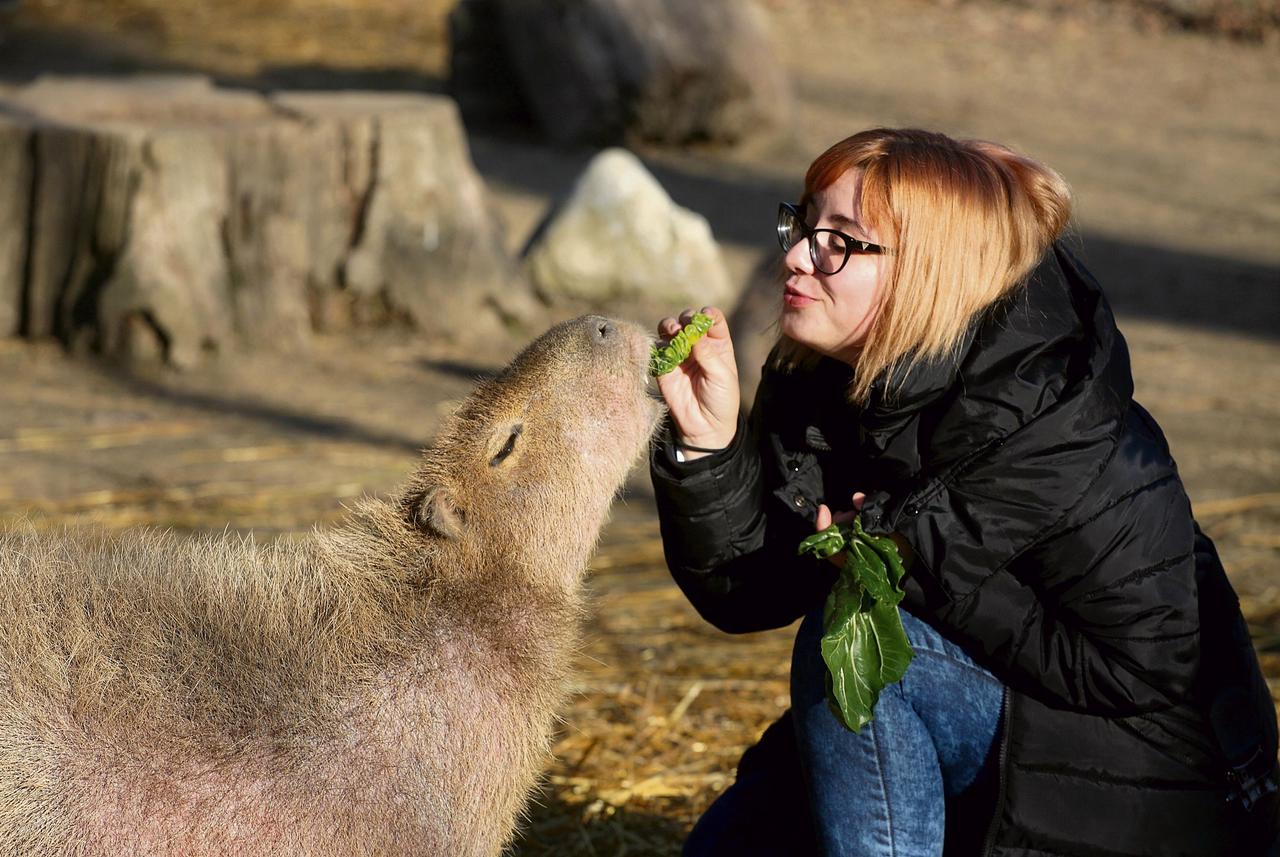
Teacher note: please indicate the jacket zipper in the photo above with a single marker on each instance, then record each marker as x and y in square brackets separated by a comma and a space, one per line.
[1005, 705]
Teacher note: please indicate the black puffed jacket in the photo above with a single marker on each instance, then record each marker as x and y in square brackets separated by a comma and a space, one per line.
[1053, 541]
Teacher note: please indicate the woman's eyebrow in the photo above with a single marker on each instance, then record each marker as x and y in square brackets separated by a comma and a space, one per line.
[844, 220]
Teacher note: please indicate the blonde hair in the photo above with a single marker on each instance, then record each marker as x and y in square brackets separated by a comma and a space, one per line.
[967, 221]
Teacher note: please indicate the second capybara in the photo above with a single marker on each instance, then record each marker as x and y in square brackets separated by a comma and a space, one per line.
[388, 686]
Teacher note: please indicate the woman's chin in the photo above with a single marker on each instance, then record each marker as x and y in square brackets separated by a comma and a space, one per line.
[792, 325]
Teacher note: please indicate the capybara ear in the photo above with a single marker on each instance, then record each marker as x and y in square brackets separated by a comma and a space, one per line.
[438, 513]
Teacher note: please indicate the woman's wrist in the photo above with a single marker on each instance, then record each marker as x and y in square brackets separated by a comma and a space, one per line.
[693, 447]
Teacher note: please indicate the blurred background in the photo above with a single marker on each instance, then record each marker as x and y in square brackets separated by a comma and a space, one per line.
[251, 252]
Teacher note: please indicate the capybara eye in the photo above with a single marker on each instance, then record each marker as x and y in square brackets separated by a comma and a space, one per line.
[508, 447]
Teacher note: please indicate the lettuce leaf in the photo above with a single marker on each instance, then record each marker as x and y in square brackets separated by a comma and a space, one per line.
[863, 644]
[667, 357]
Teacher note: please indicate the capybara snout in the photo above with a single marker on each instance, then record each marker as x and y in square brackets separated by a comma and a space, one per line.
[605, 331]
[591, 347]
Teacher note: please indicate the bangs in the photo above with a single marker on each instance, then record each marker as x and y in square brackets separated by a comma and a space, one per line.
[873, 205]
[828, 167]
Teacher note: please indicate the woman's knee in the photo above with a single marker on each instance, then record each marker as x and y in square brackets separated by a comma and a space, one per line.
[922, 635]
[940, 678]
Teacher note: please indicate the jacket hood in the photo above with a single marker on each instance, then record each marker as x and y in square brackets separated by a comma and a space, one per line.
[1052, 339]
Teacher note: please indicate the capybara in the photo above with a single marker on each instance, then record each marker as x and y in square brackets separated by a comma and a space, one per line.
[388, 686]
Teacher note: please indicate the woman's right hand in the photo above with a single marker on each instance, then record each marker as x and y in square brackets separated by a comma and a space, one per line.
[702, 392]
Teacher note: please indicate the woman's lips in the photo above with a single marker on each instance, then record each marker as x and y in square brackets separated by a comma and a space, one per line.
[794, 299]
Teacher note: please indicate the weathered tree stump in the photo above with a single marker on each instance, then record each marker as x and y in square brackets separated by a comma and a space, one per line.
[167, 217]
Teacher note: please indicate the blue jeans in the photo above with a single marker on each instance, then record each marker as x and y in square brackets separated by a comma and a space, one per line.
[921, 774]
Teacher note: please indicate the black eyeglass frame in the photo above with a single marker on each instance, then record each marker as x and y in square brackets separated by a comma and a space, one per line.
[786, 210]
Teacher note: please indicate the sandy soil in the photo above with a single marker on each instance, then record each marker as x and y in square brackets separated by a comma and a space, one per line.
[1170, 141]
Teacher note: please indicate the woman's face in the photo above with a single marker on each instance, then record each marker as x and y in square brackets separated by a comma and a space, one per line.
[831, 313]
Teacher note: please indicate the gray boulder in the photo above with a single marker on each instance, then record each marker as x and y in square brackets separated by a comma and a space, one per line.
[601, 71]
[620, 240]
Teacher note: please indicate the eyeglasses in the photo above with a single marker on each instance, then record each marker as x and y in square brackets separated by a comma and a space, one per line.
[829, 249]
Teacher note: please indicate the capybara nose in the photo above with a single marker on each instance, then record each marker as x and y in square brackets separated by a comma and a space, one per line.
[603, 331]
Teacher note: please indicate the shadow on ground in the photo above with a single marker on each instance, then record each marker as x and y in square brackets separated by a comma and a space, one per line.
[276, 417]
[556, 828]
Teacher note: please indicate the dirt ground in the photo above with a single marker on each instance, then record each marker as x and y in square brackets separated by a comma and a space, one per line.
[1169, 139]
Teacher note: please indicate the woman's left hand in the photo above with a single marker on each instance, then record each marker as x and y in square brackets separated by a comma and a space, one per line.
[826, 518]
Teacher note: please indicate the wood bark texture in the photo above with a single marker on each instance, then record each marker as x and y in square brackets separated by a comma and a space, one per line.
[167, 218]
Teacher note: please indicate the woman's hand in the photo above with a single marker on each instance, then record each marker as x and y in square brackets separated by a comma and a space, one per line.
[826, 518]
[702, 392]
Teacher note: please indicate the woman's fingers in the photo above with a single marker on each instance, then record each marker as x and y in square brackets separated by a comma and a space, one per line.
[668, 327]
[826, 517]
[720, 324]
[823, 521]
[702, 393]
[716, 315]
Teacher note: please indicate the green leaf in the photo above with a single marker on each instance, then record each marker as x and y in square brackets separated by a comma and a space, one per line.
[888, 551]
[864, 644]
[895, 650]
[851, 655]
[824, 543]
[870, 570]
[667, 357]
[865, 648]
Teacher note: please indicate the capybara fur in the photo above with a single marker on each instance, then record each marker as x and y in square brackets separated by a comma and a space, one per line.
[388, 686]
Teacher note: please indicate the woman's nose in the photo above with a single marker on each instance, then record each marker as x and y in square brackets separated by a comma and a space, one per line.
[798, 259]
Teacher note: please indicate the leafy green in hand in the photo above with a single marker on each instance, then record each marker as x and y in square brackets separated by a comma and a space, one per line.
[667, 357]
[863, 643]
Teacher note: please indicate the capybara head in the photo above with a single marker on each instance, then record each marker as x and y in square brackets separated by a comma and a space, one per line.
[528, 464]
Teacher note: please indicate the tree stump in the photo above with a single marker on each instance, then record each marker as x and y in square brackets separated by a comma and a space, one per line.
[164, 216]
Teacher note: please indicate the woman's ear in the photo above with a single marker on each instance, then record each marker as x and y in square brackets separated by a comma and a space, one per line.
[439, 514]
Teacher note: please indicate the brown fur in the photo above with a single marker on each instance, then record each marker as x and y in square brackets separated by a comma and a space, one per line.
[386, 687]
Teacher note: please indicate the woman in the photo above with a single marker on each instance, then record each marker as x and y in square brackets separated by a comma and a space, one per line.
[1083, 682]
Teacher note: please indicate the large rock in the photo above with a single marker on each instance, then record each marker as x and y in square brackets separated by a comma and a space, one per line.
[620, 240]
[166, 216]
[600, 71]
